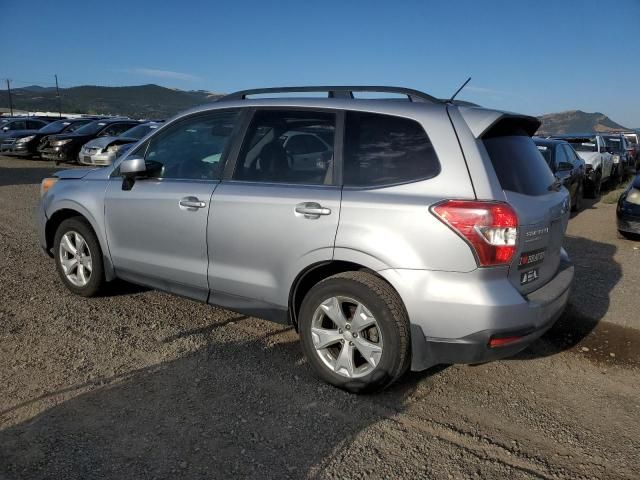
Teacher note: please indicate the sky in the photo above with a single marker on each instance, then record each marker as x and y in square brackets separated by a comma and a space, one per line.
[529, 56]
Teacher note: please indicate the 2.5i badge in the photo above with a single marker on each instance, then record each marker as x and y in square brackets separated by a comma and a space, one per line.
[528, 276]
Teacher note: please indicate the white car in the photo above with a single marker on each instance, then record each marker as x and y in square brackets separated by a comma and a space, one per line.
[592, 148]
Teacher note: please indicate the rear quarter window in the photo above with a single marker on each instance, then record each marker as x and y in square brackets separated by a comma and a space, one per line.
[385, 150]
[518, 163]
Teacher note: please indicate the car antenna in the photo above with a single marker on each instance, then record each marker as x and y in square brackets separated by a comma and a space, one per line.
[459, 90]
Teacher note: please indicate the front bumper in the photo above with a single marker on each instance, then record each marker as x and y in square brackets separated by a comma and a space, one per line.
[99, 159]
[455, 315]
[58, 154]
[14, 149]
[628, 222]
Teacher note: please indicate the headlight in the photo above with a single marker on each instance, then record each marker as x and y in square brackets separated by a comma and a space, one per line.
[633, 196]
[113, 148]
[616, 159]
[59, 143]
[46, 184]
[25, 139]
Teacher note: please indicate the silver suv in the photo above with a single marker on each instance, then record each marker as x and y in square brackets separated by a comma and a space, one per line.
[399, 234]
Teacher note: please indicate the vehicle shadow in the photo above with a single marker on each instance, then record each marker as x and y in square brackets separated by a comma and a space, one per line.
[596, 274]
[201, 417]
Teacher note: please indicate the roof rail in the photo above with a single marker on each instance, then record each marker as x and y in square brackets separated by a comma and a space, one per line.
[336, 91]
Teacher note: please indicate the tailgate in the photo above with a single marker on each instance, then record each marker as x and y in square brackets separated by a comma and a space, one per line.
[541, 205]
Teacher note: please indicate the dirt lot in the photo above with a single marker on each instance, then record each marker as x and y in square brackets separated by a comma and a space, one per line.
[139, 384]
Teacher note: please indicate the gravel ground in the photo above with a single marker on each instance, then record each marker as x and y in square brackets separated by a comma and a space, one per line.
[140, 384]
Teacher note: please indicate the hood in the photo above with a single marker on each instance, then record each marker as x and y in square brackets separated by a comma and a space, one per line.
[64, 136]
[16, 133]
[100, 142]
[590, 158]
[73, 174]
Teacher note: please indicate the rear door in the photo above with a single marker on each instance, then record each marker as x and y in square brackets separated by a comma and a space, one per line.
[273, 216]
[542, 208]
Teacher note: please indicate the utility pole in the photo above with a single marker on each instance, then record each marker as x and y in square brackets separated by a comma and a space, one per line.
[10, 102]
[58, 95]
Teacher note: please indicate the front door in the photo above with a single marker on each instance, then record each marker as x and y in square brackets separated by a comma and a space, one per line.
[274, 216]
[157, 230]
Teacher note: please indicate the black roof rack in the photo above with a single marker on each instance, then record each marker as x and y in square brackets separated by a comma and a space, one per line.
[336, 91]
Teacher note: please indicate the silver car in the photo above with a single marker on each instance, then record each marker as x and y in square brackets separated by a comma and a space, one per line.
[429, 233]
[104, 150]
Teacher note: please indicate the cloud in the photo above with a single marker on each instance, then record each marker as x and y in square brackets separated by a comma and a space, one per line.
[488, 91]
[168, 74]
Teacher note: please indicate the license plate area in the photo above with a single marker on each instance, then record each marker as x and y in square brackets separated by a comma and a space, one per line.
[531, 258]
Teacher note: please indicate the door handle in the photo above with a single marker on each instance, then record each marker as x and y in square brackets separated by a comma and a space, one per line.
[192, 203]
[312, 209]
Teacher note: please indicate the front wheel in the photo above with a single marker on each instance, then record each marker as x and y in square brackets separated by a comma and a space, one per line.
[354, 331]
[79, 257]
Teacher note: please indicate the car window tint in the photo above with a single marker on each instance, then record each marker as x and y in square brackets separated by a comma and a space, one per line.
[518, 164]
[275, 149]
[18, 125]
[193, 148]
[383, 150]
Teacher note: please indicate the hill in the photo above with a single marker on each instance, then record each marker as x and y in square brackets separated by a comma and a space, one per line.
[141, 101]
[577, 121]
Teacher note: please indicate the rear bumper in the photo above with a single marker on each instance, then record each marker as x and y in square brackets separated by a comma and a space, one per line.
[458, 327]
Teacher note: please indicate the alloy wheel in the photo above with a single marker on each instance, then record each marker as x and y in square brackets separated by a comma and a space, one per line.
[75, 258]
[346, 337]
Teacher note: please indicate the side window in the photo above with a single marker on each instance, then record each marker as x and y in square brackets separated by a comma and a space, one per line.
[192, 148]
[32, 124]
[18, 125]
[383, 149]
[276, 148]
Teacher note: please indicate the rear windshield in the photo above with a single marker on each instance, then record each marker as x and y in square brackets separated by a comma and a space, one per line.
[614, 143]
[583, 144]
[519, 165]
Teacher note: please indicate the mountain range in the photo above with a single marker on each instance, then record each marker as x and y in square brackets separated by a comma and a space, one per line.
[154, 101]
[140, 101]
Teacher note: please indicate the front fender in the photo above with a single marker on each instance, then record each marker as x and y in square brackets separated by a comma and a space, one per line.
[90, 206]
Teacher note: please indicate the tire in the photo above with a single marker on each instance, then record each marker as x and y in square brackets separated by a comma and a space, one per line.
[390, 334]
[579, 195]
[91, 264]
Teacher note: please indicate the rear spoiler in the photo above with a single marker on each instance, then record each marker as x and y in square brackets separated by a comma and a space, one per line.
[482, 122]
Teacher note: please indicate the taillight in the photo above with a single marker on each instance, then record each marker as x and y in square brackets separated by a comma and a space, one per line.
[490, 228]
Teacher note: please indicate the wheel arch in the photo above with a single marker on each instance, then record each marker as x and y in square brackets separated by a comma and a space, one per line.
[317, 272]
[70, 211]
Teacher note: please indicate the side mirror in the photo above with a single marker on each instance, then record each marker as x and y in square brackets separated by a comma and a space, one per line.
[135, 168]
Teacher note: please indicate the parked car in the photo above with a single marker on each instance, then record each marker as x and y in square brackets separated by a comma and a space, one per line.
[628, 211]
[599, 162]
[65, 147]
[20, 125]
[633, 139]
[433, 233]
[618, 147]
[104, 150]
[26, 142]
[566, 165]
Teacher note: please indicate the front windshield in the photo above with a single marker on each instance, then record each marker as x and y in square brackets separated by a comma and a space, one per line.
[91, 128]
[54, 127]
[586, 144]
[139, 131]
[546, 153]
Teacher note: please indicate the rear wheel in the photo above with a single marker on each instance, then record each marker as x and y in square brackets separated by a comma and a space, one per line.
[354, 331]
[79, 257]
